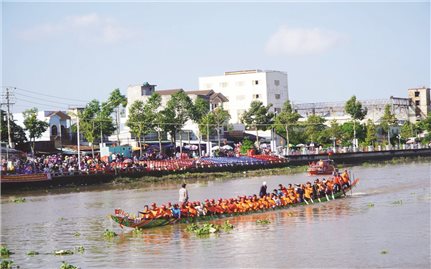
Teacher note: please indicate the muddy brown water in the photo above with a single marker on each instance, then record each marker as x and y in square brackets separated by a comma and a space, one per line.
[384, 223]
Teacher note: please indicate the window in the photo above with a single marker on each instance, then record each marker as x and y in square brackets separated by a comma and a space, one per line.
[239, 83]
[256, 96]
[416, 94]
[255, 82]
[276, 82]
[417, 102]
[53, 130]
[240, 97]
[277, 96]
[223, 84]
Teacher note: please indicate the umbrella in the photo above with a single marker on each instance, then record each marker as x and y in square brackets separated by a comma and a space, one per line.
[215, 148]
[411, 141]
[191, 147]
[128, 161]
[300, 145]
[263, 146]
[227, 147]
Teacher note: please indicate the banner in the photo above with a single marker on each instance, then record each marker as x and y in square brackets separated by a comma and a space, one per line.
[25, 178]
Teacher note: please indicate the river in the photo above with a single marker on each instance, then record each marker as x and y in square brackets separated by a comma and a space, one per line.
[385, 223]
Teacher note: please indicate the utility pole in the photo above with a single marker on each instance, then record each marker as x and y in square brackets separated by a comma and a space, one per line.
[8, 104]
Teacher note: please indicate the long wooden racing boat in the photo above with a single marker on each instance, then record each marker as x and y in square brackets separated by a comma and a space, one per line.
[125, 220]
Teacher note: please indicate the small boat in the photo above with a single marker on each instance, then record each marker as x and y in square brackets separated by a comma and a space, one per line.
[125, 220]
[322, 167]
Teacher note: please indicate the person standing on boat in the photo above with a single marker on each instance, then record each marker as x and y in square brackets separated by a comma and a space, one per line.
[184, 194]
[262, 192]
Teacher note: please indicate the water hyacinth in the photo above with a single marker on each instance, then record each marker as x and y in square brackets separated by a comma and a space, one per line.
[5, 252]
[18, 200]
[63, 252]
[263, 221]
[109, 234]
[32, 253]
[398, 202]
[6, 264]
[80, 249]
[65, 265]
[204, 229]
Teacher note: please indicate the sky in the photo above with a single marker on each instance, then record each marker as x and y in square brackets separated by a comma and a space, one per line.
[331, 51]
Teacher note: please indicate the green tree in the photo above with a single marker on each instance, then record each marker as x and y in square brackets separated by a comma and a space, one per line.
[407, 131]
[153, 117]
[116, 100]
[371, 136]
[178, 110]
[387, 121]
[17, 132]
[348, 130]
[94, 120]
[257, 117]
[424, 124]
[314, 127]
[221, 118]
[334, 132]
[136, 122]
[285, 121]
[246, 145]
[201, 108]
[354, 108]
[34, 126]
[206, 128]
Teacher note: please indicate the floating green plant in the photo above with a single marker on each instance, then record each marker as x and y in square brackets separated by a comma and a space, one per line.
[384, 252]
[63, 252]
[398, 202]
[109, 234]
[77, 234]
[32, 253]
[204, 229]
[80, 249]
[6, 264]
[227, 226]
[137, 232]
[18, 200]
[370, 205]
[5, 252]
[65, 265]
[263, 221]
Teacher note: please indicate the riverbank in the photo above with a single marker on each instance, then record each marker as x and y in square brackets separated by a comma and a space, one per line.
[138, 181]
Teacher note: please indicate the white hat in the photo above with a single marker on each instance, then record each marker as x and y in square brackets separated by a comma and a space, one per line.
[264, 183]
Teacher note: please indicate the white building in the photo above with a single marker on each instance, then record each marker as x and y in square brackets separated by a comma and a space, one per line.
[144, 91]
[59, 125]
[243, 87]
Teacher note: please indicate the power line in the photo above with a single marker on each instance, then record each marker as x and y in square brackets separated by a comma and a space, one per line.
[47, 95]
[54, 102]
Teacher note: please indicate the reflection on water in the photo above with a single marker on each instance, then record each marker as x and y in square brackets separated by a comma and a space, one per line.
[342, 228]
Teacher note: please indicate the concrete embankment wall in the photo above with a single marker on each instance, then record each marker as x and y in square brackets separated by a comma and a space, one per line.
[360, 157]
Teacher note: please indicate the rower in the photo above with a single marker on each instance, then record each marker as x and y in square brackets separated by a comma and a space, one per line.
[308, 192]
[346, 179]
[176, 212]
[146, 213]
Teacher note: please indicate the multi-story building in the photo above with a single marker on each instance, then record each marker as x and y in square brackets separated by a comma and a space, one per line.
[59, 130]
[420, 103]
[144, 91]
[243, 87]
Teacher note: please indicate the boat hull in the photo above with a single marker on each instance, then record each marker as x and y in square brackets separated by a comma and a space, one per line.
[125, 221]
